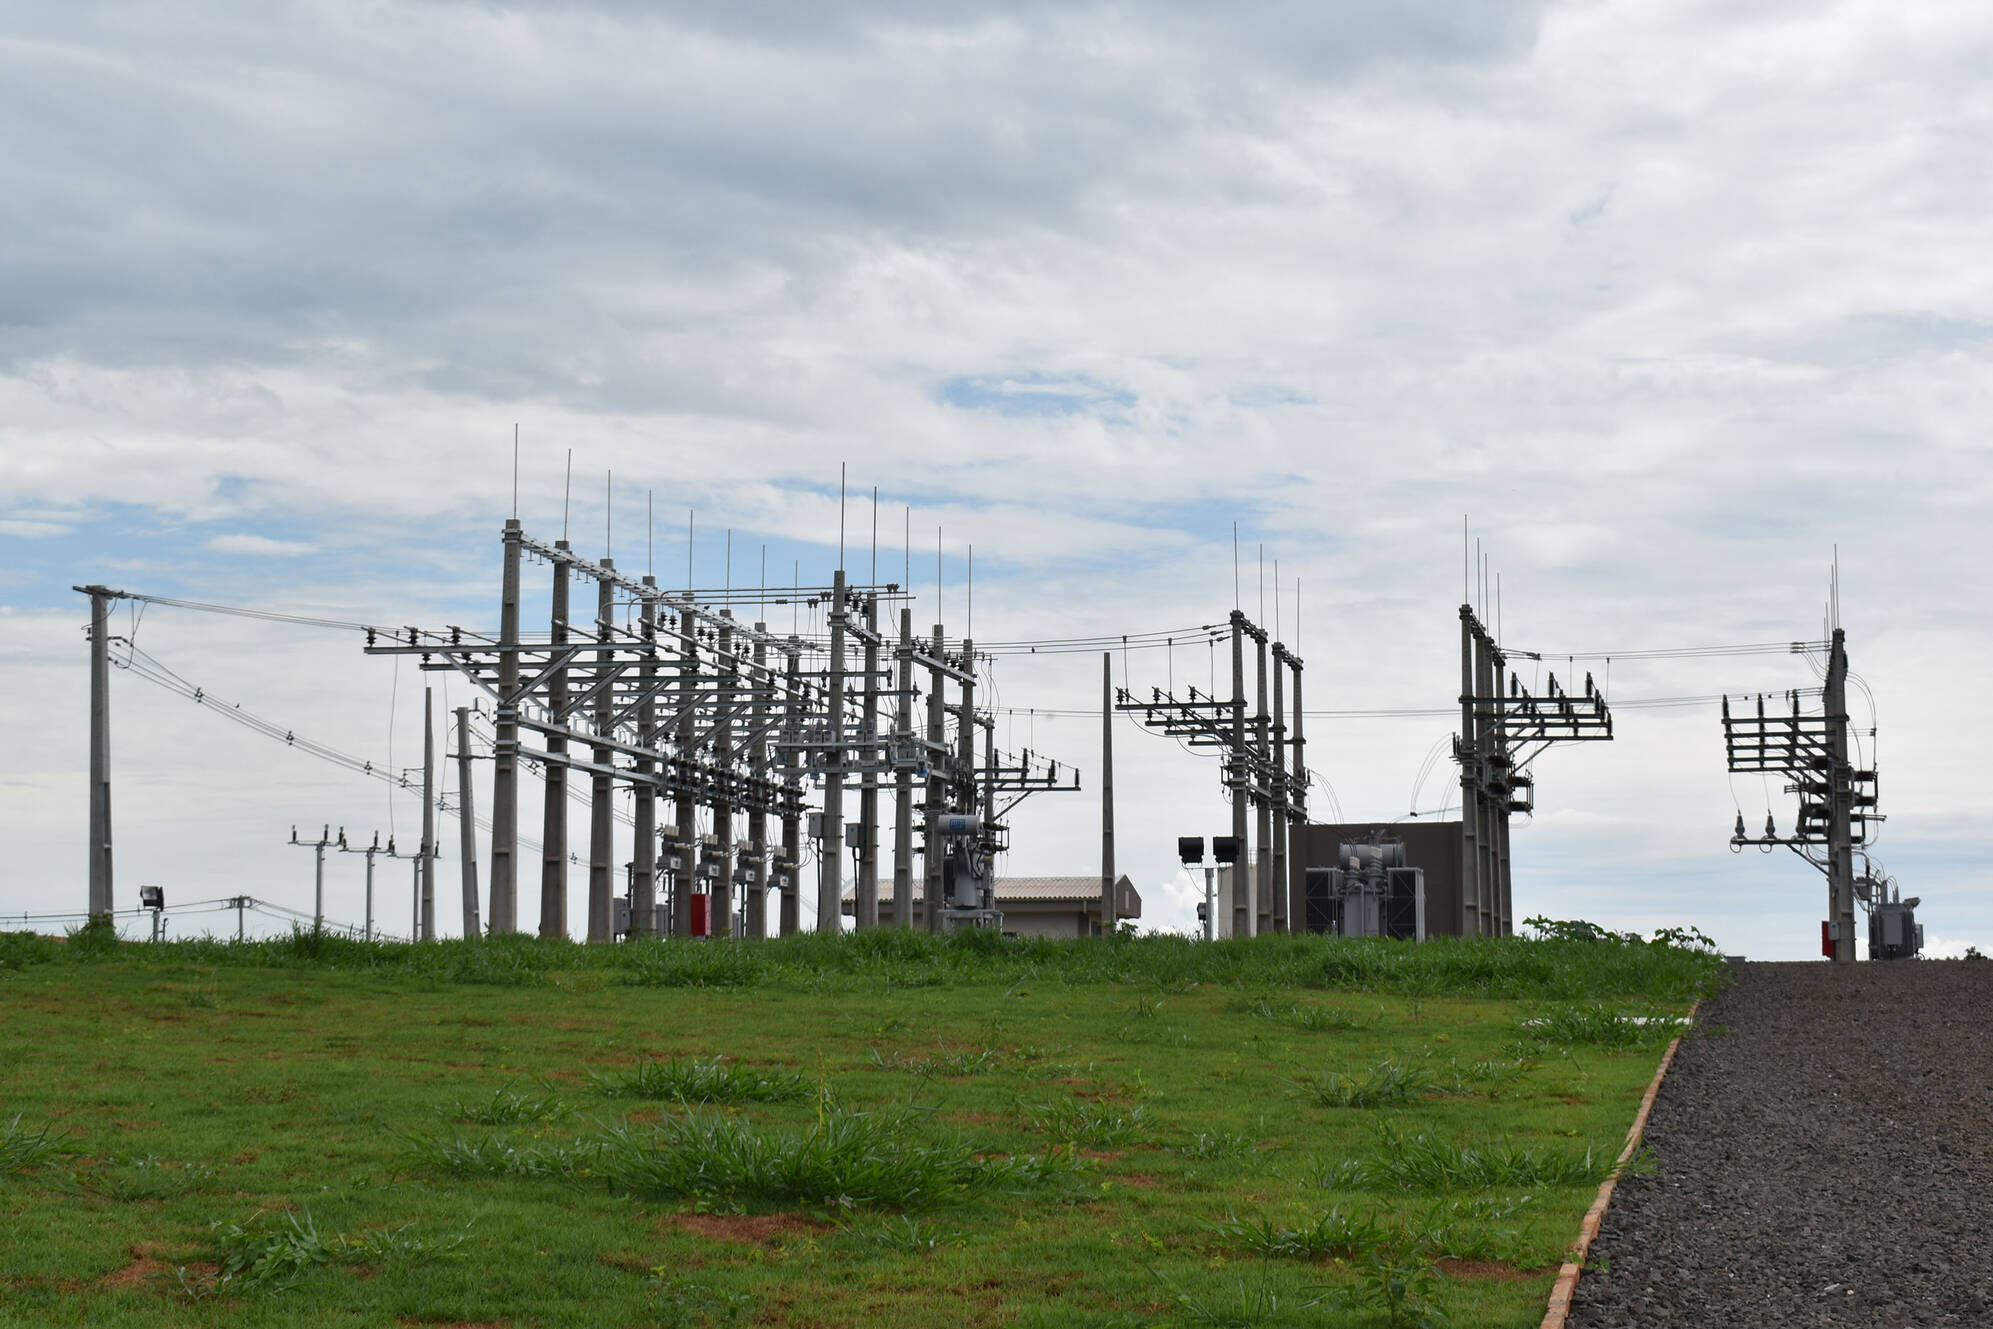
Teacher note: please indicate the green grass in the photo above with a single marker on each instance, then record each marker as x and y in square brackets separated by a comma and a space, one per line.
[887, 1129]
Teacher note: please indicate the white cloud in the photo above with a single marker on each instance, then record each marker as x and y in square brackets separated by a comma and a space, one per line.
[34, 530]
[261, 546]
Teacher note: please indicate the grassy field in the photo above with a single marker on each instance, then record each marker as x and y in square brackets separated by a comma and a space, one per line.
[874, 1130]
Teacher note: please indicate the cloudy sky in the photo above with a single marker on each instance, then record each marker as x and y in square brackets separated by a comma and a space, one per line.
[1670, 299]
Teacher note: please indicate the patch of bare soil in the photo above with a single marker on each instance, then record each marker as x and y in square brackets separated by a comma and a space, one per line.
[146, 1267]
[752, 1229]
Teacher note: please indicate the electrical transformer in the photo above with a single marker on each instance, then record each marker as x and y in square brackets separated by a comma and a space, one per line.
[1369, 893]
[1893, 930]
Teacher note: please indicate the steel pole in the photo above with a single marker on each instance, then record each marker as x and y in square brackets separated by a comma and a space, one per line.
[368, 930]
[318, 883]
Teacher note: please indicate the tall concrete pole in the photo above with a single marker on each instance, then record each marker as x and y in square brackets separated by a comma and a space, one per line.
[867, 903]
[318, 878]
[965, 741]
[553, 836]
[687, 875]
[790, 921]
[934, 851]
[1489, 829]
[1298, 785]
[1840, 829]
[505, 747]
[1497, 670]
[643, 859]
[754, 910]
[830, 883]
[602, 785]
[727, 667]
[467, 823]
[1107, 916]
[1470, 784]
[100, 750]
[1263, 803]
[367, 932]
[1277, 778]
[428, 815]
[903, 781]
[1244, 915]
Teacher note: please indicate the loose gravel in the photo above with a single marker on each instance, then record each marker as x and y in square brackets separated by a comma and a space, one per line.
[1823, 1152]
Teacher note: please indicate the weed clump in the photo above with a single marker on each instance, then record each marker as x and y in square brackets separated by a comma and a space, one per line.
[23, 1149]
[704, 1080]
[1077, 1121]
[1425, 1163]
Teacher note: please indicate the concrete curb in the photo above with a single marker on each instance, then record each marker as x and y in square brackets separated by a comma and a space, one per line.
[1567, 1277]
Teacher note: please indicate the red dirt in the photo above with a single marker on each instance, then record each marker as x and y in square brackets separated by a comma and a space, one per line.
[146, 1266]
[753, 1229]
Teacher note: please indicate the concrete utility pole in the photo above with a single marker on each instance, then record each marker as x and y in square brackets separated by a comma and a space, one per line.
[602, 787]
[1809, 752]
[867, 903]
[1469, 753]
[965, 781]
[367, 927]
[686, 877]
[318, 849]
[754, 909]
[1262, 803]
[1244, 914]
[643, 863]
[830, 888]
[428, 860]
[100, 749]
[1298, 789]
[793, 712]
[466, 825]
[727, 665]
[1840, 841]
[934, 851]
[553, 837]
[505, 746]
[1277, 782]
[1107, 915]
[903, 780]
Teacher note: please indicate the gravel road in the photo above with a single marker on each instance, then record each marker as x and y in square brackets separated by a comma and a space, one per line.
[1824, 1156]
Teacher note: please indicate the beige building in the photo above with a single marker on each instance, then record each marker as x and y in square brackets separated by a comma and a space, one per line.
[1036, 906]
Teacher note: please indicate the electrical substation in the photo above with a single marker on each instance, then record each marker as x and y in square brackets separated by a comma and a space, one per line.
[730, 751]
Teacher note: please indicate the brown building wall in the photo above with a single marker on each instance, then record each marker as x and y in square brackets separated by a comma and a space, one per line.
[1431, 845]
